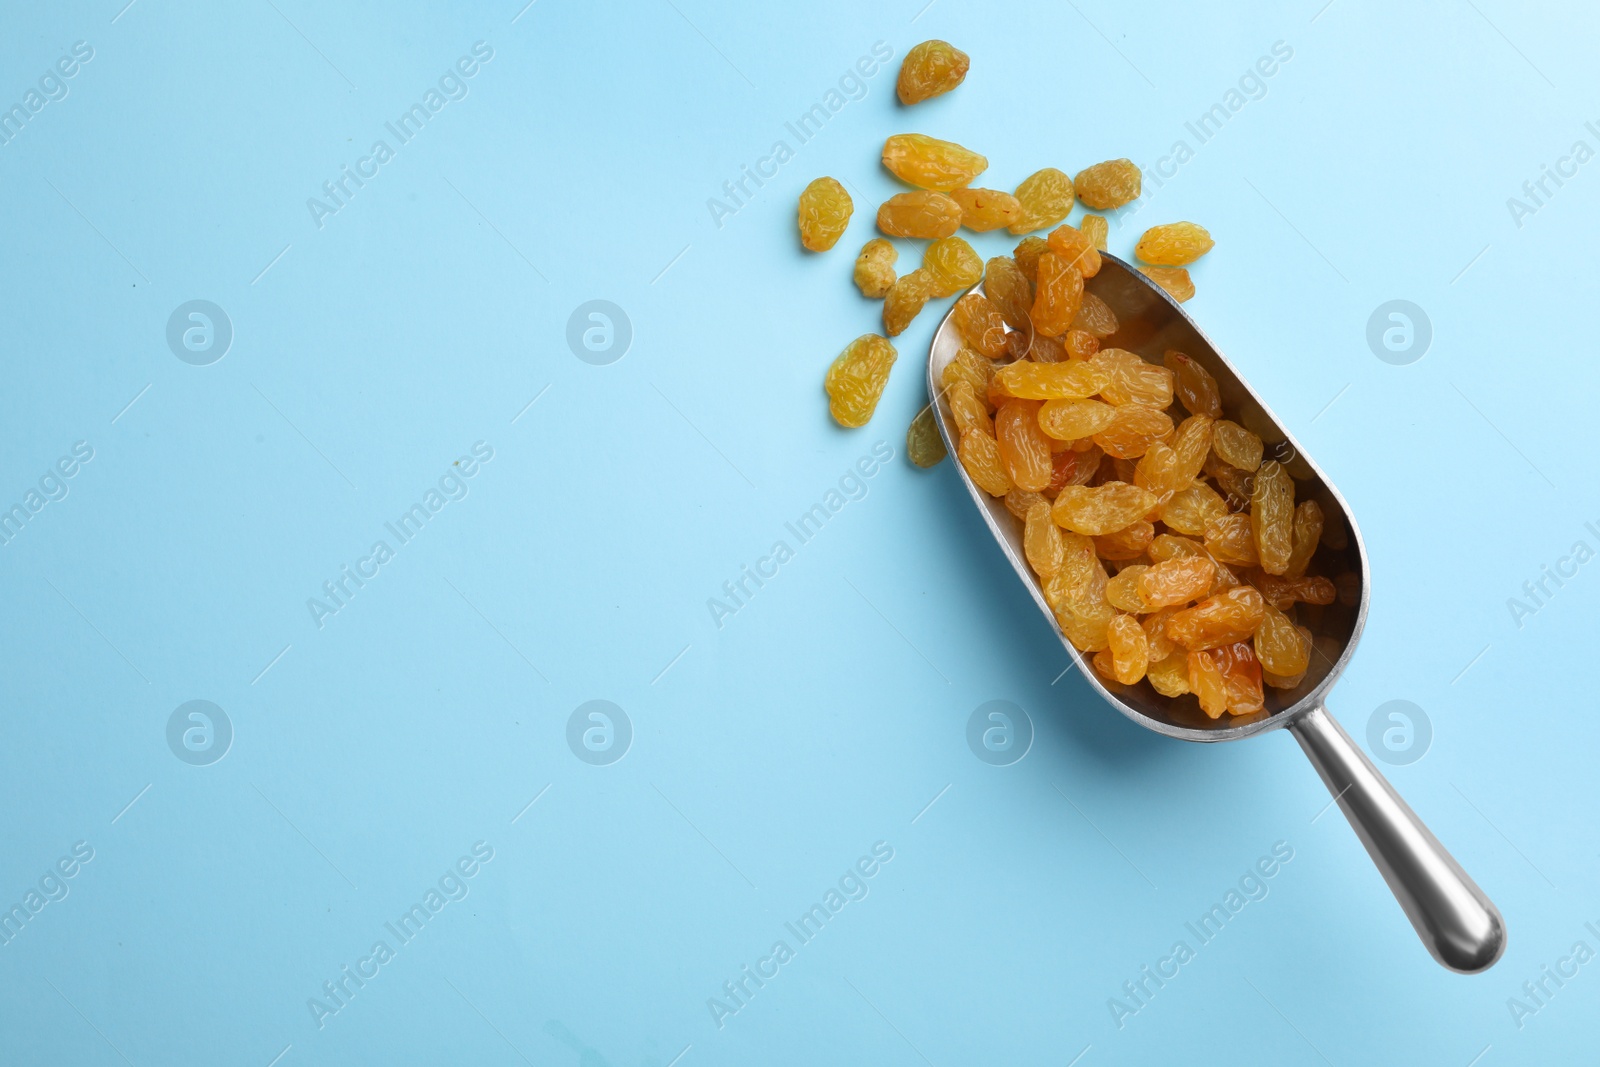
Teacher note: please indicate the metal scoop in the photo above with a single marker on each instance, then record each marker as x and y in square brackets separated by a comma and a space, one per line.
[1459, 924]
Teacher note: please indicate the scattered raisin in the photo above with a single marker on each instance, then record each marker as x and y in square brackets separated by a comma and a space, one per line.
[930, 69]
[856, 379]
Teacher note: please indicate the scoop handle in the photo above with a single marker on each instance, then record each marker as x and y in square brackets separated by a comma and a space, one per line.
[1460, 926]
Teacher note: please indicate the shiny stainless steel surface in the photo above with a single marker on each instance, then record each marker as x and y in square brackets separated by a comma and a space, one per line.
[1456, 921]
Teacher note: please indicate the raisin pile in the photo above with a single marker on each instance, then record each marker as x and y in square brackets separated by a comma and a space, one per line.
[1037, 290]
[1169, 544]
[1165, 543]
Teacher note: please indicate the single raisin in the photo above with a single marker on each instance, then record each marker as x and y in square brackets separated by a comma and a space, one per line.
[1282, 649]
[1080, 344]
[920, 214]
[1130, 542]
[1223, 619]
[856, 379]
[1046, 197]
[875, 268]
[1123, 590]
[824, 213]
[1236, 446]
[953, 265]
[1174, 280]
[1130, 650]
[905, 300]
[1057, 295]
[1027, 254]
[1193, 508]
[1272, 517]
[1108, 185]
[980, 455]
[1072, 380]
[970, 367]
[1070, 420]
[1176, 244]
[1231, 539]
[1024, 448]
[1096, 511]
[929, 163]
[980, 325]
[1098, 230]
[1076, 248]
[1196, 388]
[1177, 581]
[1131, 380]
[983, 210]
[1041, 539]
[924, 446]
[1305, 535]
[1132, 429]
[1095, 317]
[1009, 290]
[930, 69]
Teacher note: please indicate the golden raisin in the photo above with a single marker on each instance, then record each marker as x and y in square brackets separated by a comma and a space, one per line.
[1196, 388]
[1176, 244]
[1130, 542]
[905, 300]
[1175, 280]
[983, 210]
[1069, 420]
[1272, 517]
[1077, 343]
[1108, 185]
[1097, 230]
[1130, 651]
[1193, 508]
[1021, 501]
[1122, 591]
[856, 379]
[1236, 446]
[1223, 619]
[929, 163]
[1231, 539]
[1102, 510]
[1027, 254]
[980, 325]
[1095, 317]
[1241, 676]
[980, 455]
[1169, 675]
[1057, 295]
[1305, 536]
[1176, 581]
[1282, 649]
[1132, 429]
[1024, 448]
[1009, 290]
[1207, 683]
[924, 446]
[970, 367]
[1041, 539]
[1076, 248]
[920, 214]
[953, 265]
[875, 267]
[824, 213]
[1133, 381]
[930, 69]
[1046, 197]
[1072, 380]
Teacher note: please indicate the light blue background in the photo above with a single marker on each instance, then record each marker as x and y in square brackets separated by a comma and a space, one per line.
[826, 715]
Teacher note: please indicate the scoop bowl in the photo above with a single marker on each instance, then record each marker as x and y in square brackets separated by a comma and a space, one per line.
[1456, 921]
